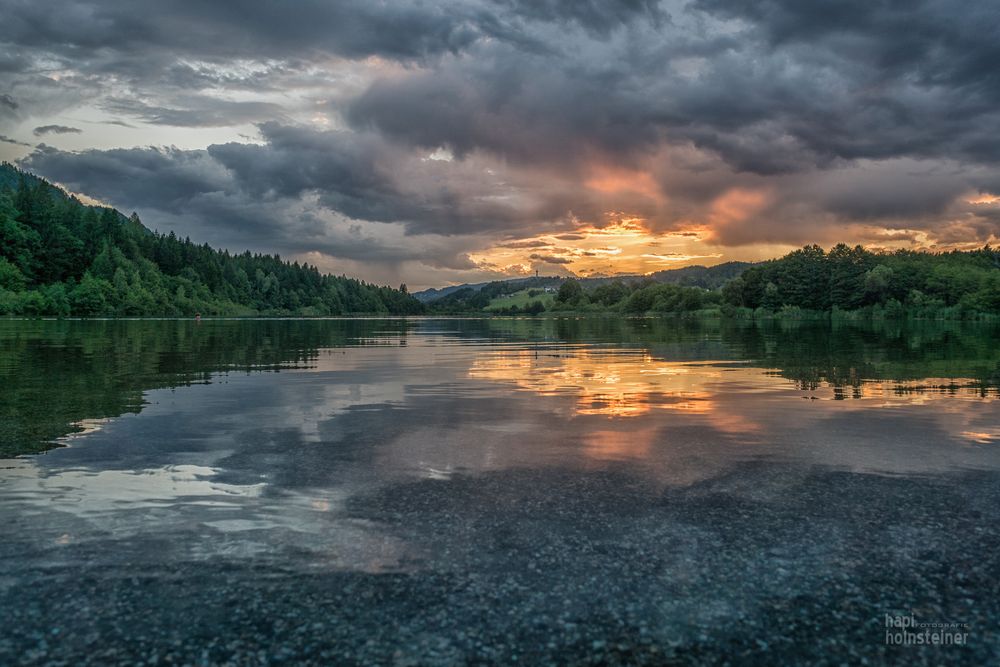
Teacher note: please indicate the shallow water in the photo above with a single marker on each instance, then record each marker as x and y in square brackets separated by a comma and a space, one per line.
[449, 491]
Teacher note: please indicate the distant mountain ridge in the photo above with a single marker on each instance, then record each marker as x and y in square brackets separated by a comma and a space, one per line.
[707, 277]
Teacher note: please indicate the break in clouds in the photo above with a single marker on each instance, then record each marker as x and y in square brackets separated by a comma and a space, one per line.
[403, 140]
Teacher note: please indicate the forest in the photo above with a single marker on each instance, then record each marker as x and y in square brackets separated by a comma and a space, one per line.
[845, 281]
[60, 257]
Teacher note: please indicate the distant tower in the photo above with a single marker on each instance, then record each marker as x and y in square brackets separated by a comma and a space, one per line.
[536, 273]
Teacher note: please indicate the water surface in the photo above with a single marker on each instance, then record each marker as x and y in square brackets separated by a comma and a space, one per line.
[452, 491]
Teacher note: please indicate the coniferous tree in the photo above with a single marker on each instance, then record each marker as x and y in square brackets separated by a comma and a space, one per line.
[60, 257]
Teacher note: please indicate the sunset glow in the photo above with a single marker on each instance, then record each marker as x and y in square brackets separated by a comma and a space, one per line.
[610, 180]
[612, 385]
[986, 200]
[624, 246]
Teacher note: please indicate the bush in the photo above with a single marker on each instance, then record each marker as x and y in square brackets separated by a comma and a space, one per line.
[570, 292]
[31, 303]
[91, 297]
[11, 277]
[894, 310]
[56, 300]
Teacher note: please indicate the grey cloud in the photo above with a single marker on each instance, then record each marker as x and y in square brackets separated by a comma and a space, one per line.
[239, 27]
[252, 190]
[55, 129]
[134, 178]
[197, 111]
[290, 191]
[524, 107]
[152, 50]
[406, 29]
[550, 259]
[8, 103]
[190, 193]
[893, 81]
[186, 45]
[890, 190]
[597, 16]
[528, 244]
[937, 40]
[296, 160]
[765, 105]
[13, 62]
[796, 87]
[34, 95]
[360, 176]
[8, 140]
[832, 114]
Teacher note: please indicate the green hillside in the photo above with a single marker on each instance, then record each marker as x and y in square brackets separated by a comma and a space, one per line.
[852, 279]
[522, 301]
[59, 257]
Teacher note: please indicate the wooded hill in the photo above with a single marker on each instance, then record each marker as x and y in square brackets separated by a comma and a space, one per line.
[811, 282]
[61, 257]
[947, 285]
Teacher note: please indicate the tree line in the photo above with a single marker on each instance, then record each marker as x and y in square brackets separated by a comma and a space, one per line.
[630, 296]
[60, 257]
[811, 282]
[947, 285]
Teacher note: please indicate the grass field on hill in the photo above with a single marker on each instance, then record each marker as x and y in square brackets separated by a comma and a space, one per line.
[521, 299]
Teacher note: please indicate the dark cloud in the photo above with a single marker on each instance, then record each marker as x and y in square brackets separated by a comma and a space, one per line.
[55, 129]
[597, 16]
[240, 28]
[773, 87]
[302, 190]
[931, 41]
[775, 121]
[7, 140]
[514, 104]
[405, 29]
[527, 244]
[763, 108]
[134, 178]
[890, 190]
[361, 176]
[875, 79]
[13, 62]
[192, 194]
[550, 259]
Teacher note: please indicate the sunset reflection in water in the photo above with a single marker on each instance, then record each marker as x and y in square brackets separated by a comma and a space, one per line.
[729, 396]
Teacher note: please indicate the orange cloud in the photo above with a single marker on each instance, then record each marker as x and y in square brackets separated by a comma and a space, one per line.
[985, 199]
[618, 180]
[735, 206]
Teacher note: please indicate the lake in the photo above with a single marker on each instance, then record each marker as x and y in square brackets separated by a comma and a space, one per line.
[436, 492]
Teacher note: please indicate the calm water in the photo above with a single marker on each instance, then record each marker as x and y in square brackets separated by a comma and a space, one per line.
[468, 491]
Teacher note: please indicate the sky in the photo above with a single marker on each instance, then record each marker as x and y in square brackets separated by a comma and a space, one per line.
[435, 143]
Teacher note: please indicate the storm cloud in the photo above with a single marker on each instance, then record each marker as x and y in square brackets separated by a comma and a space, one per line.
[455, 126]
